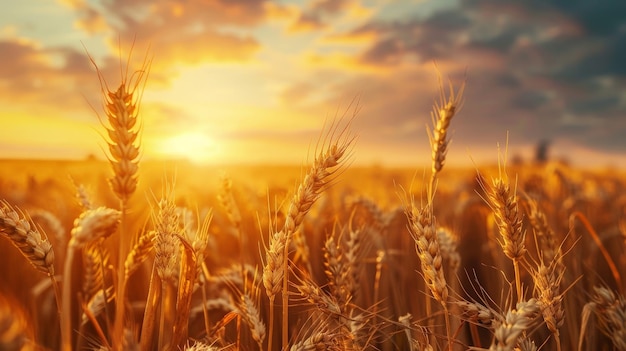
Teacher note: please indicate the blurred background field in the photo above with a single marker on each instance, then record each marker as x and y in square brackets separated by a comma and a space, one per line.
[372, 199]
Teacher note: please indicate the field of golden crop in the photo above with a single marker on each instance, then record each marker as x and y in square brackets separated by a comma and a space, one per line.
[320, 257]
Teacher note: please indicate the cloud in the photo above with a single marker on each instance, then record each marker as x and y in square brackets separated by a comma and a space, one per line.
[532, 68]
[180, 32]
[40, 77]
[540, 70]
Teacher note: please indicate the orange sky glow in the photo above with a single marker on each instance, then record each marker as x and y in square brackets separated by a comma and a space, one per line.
[253, 82]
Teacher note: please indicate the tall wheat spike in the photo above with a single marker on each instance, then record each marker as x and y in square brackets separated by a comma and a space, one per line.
[334, 148]
[121, 108]
[442, 114]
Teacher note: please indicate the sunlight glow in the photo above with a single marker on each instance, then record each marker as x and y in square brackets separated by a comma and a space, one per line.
[193, 146]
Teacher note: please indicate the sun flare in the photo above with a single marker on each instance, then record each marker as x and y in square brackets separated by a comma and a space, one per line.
[197, 147]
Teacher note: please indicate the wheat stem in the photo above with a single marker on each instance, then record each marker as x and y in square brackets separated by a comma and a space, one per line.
[66, 321]
[149, 317]
[271, 324]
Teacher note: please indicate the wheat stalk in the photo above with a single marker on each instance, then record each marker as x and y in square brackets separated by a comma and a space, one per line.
[423, 230]
[35, 247]
[121, 107]
[186, 283]
[334, 149]
[97, 303]
[91, 226]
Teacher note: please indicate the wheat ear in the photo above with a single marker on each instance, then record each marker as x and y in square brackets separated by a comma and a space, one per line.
[94, 260]
[422, 226]
[448, 243]
[320, 340]
[93, 225]
[25, 236]
[610, 310]
[336, 271]
[166, 262]
[514, 324]
[139, 253]
[199, 346]
[550, 249]
[476, 313]
[547, 280]
[503, 202]
[442, 114]
[248, 310]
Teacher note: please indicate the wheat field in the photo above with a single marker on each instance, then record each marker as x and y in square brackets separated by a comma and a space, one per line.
[134, 255]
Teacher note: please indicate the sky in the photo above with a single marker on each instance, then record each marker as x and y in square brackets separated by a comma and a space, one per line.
[253, 81]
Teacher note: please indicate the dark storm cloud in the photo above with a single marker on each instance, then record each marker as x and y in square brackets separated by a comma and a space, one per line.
[533, 67]
[599, 17]
[427, 39]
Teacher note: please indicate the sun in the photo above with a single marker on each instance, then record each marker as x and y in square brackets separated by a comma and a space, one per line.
[194, 146]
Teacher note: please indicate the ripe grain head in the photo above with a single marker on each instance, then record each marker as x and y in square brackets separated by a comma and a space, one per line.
[27, 238]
